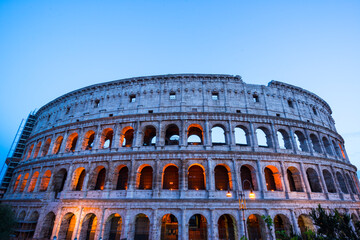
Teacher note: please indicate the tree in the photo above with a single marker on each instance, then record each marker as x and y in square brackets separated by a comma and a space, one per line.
[7, 220]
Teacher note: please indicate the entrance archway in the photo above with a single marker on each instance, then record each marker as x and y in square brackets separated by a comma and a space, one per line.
[226, 227]
[169, 227]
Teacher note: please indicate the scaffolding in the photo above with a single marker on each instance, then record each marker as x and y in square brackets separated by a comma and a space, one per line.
[16, 151]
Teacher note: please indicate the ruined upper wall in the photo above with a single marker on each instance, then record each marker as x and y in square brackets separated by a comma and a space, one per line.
[184, 93]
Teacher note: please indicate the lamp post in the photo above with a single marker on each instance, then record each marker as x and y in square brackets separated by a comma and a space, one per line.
[242, 201]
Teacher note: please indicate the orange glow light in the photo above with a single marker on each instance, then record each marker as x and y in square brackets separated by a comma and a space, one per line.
[228, 194]
[252, 195]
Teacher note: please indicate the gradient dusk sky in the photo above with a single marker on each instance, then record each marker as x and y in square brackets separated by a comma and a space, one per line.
[48, 48]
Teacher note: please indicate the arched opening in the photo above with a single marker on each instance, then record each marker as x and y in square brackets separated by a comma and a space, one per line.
[305, 224]
[88, 227]
[59, 180]
[20, 225]
[315, 143]
[100, 180]
[172, 135]
[283, 139]
[218, 135]
[242, 136]
[226, 227]
[146, 176]
[113, 227]
[171, 178]
[71, 142]
[47, 226]
[196, 178]
[263, 137]
[327, 146]
[313, 179]
[169, 227]
[248, 177]
[197, 227]
[142, 225]
[46, 147]
[30, 225]
[149, 136]
[24, 181]
[67, 227]
[37, 149]
[221, 178]
[337, 149]
[122, 180]
[45, 181]
[351, 184]
[329, 181]
[127, 137]
[294, 179]
[17, 182]
[342, 183]
[29, 152]
[106, 138]
[195, 135]
[282, 224]
[301, 141]
[256, 227]
[78, 179]
[88, 142]
[272, 177]
[33, 181]
[57, 145]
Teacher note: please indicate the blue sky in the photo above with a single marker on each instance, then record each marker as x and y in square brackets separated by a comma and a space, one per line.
[48, 48]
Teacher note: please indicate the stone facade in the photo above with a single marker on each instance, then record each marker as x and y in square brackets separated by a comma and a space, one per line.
[157, 156]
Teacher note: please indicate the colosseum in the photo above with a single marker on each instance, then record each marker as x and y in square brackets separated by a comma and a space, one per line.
[183, 156]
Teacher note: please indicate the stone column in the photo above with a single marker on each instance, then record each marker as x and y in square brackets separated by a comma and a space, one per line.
[276, 144]
[308, 142]
[231, 135]
[207, 134]
[184, 225]
[210, 180]
[213, 233]
[322, 181]
[304, 177]
[261, 179]
[101, 227]
[155, 230]
[183, 175]
[67, 185]
[293, 141]
[38, 181]
[285, 182]
[156, 179]
[77, 225]
[338, 189]
[254, 143]
[57, 224]
[294, 222]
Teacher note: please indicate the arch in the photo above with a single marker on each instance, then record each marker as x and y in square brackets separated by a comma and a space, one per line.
[127, 137]
[57, 145]
[305, 223]
[337, 148]
[142, 227]
[172, 135]
[329, 181]
[33, 181]
[45, 181]
[196, 178]
[283, 139]
[171, 178]
[272, 177]
[37, 149]
[263, 137]
[122, 178]
[24, 181]
[294, 179]
[100, 179]
[47, 226]
[17, 182]
[248, 174]
[282, 224]
[78, 179]
[256, 227]
[67, 226]
[88, 227]
[195, 135]
[88, 142]
[342, 183]
[222, 178]
[313, 179]
[301, 141]
[351, 184]
[71, 142]
[46, 147]
[327, 146]
[227, 227]
[149, 136]
[29, 152]
[242, 136]
[113, 227]
[218, 135]
[315, 143]
[169, 227]
[145, 178]
[197, 227]
[59, 180]
[106, 138]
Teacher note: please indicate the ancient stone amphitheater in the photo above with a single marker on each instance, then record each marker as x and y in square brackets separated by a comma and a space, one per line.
[169, 157]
